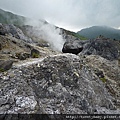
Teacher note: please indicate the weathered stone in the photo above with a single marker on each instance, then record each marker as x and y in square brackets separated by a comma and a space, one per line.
[0, 47]
[62, 84]
[3, 30]
[5, 65]
[22, 56]
[14, 31]
[72, 47]
[108, 72]
[106, 48]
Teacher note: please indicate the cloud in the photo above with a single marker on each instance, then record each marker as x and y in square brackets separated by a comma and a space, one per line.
[70, 14]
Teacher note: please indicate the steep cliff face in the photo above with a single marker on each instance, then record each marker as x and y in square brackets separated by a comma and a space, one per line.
[61, 83]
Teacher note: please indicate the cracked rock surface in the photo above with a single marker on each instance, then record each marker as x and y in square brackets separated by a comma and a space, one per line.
[57, 84]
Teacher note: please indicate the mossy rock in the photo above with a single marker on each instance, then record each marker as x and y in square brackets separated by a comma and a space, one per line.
[35, 53]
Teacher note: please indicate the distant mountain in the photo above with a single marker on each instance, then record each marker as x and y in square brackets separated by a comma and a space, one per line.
[105, 31]
[10, 18]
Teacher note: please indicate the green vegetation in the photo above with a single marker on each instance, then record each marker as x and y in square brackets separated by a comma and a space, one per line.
[78, 36]
[2, 70]
[35, 55]
[103, 79]
[75, 34]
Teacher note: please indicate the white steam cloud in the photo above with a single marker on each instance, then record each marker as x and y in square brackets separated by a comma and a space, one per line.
[49, 33]
[52, 35]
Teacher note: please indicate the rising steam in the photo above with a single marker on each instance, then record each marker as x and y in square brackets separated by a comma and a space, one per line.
[49, 33]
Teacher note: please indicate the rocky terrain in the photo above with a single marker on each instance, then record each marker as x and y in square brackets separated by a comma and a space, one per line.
[35, 78]
[16, 46]
[105, 47]
[46, 86]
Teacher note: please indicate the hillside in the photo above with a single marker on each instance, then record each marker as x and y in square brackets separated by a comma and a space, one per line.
[105, 31]
[79, 36]
[10, 18]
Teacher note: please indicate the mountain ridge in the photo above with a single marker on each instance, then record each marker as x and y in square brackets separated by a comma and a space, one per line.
[7, 17]
[95, 31]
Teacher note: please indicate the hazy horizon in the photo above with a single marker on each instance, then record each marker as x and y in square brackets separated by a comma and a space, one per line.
[69, 14]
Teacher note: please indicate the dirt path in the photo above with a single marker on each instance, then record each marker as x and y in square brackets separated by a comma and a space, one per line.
[27, 62]
[31, 61]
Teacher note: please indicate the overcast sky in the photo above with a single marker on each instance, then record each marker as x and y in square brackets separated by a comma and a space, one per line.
[70, 14]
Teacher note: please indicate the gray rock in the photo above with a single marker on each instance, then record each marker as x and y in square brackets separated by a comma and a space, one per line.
[74, 47]
[14, 31]
[62, 84]
[3, 30]
[22, 56]
[0, 47]
[108, 72]
[106, 48]
[5, 65]
[72, 44]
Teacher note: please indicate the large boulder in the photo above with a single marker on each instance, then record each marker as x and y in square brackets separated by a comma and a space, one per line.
[58, 84]
[73, 46]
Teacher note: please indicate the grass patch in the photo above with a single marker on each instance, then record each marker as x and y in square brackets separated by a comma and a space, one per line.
[2, 70]
[78, 36]
[35, 55]
[103, 79]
